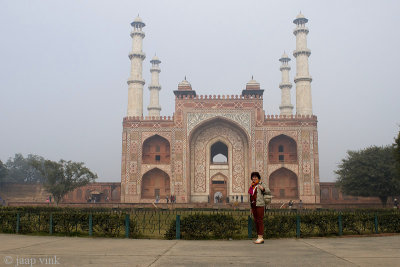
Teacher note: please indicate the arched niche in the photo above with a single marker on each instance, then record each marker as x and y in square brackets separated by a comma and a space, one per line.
[283, 184]
[155, 182]
[218, 187]
[219, 153]
[282, 149]
[156, 150]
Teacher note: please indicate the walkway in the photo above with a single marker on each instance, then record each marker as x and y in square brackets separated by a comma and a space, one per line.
[20, 250]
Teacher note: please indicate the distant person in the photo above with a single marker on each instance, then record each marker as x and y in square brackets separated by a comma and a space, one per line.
[167, 199]
[241, 198]
[50, 198]
[290, 204]
[396, 203]
[256, 191]
[157, 198]
[300, 204]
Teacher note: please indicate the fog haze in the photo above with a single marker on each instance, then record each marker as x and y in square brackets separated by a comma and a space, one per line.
[64, 67]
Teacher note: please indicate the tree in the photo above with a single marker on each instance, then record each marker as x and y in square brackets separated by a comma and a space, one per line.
[396, 150]
[369, 172]
[3, 171]
[20, 169]
[63, 176]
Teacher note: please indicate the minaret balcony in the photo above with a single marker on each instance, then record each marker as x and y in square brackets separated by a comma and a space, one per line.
[139, 81]
[154, 108]
[283, 107]
[297, 30]
[284, 68]
[138, 33]
[304, 51]
[140, 55]
[285, 85]
[302, 79]
[157, 87]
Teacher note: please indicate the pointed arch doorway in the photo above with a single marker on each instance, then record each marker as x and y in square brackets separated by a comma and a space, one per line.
[218, 189]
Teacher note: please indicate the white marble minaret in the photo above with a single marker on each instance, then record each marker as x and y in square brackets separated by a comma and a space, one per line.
[135, 81]
[286, 106]
[303, 78]
[154, 107]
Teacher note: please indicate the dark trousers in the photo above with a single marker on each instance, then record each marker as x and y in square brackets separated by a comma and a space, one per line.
[258, 213]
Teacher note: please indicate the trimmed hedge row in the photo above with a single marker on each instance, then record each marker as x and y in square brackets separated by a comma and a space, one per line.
[207, 226]
[67, 223]
[292, 224]
[194, 224]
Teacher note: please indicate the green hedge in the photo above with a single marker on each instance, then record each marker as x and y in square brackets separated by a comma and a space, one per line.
[206, 226]
[284, 224]
[69, 222]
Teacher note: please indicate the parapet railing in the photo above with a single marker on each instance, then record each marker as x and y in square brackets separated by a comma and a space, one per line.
[266, 117]
[149, 118]
[288, 117]
[219, 97]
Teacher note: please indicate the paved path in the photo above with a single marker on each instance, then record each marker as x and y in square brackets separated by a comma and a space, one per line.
[20, 250]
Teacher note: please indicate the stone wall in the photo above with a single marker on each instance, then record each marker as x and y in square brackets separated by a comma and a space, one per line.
[12, 192]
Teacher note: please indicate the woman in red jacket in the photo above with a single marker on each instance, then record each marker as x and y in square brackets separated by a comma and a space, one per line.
[257, 191]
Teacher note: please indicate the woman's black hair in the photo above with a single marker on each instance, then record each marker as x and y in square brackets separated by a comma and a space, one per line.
[257, 174]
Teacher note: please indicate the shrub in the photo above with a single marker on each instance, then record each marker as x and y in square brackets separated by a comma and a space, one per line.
[205, 226]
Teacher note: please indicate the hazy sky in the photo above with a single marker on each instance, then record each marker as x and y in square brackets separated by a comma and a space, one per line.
[64, 67]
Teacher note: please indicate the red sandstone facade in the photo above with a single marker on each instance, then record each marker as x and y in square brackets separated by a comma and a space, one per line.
[163, 156]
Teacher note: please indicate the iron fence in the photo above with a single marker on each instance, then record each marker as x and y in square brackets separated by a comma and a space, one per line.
[158, 223]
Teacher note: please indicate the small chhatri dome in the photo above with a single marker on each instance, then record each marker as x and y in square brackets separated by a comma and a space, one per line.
[300, 19]
[284, 57]
[300, 16]
[252, 84]
[138, 19]
[138, 22]
[155, 59]
[184, 85]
